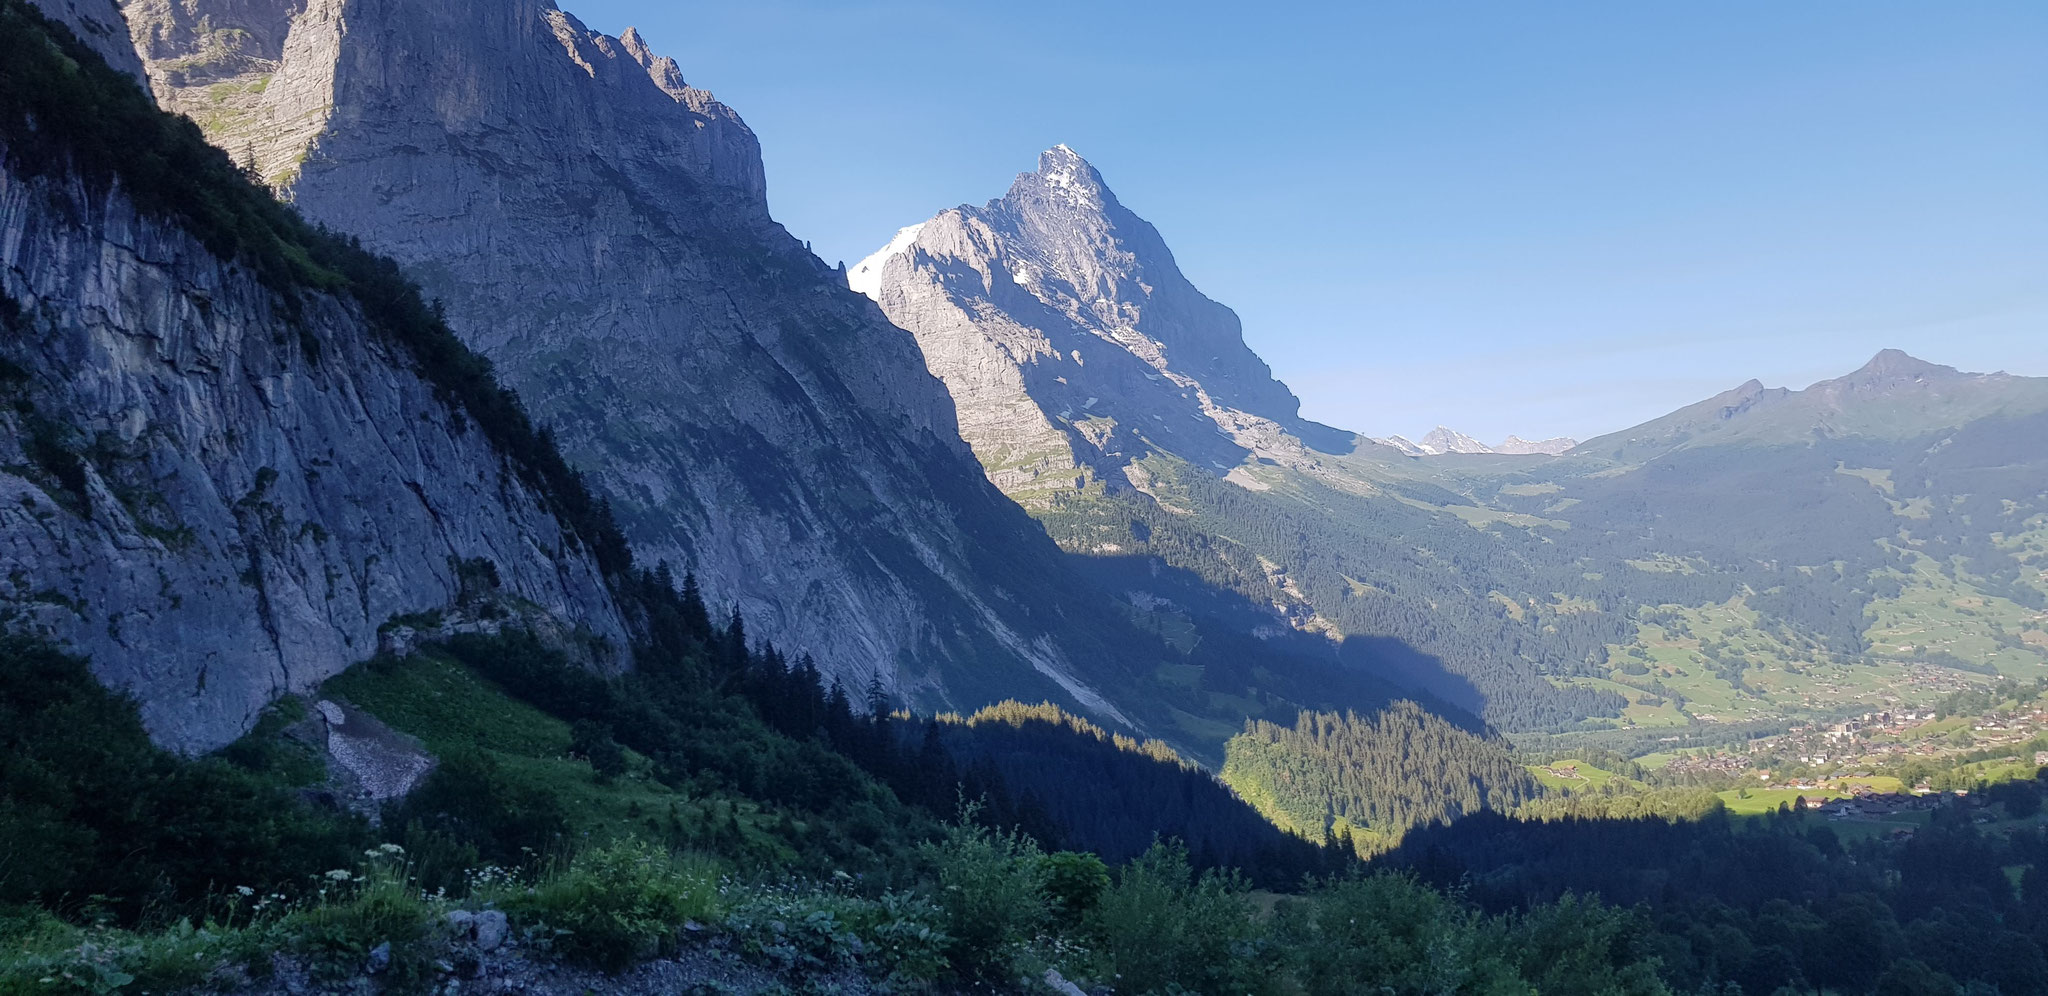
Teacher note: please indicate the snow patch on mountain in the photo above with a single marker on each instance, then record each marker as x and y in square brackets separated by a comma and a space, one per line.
[866, 276]
[1443, 439]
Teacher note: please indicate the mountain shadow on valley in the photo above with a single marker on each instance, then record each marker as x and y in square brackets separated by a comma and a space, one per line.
[1250, 654]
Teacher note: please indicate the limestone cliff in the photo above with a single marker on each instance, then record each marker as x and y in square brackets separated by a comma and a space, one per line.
[99, 25]
[220, 487]
[1073, 344]
[600, 228]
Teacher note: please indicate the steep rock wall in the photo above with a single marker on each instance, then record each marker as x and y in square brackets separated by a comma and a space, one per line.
[220, 502]
[97, 23]
[600, 229]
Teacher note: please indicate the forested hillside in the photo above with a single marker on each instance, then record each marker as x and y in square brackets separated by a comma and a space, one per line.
[1071, 783]
[1779, 901]
[1746, 580]
[1352, 569]
[1363, 782]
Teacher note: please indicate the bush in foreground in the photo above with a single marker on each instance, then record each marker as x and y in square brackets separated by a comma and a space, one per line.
[617, 904]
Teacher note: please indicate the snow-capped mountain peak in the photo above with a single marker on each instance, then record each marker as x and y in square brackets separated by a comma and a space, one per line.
[1443, 439]
[1073, 344]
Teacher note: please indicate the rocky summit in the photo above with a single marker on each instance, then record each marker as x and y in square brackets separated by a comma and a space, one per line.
[1072, 343]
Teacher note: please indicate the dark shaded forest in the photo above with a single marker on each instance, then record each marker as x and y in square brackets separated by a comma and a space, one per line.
[1778, 901]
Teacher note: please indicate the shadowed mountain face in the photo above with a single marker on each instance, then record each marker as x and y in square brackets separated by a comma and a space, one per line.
[98, 24]
[1072, 343]
[599, 228]
[222, 475]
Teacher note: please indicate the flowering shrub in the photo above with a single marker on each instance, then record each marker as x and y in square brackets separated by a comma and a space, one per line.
[358, 913]
[616, 904]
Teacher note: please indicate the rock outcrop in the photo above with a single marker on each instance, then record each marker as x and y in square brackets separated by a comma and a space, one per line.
[1073, 345]
[215, 511]
[260, 80]
[99, 25]
[600, 229]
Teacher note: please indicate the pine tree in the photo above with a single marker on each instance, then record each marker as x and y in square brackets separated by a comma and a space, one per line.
[695, 616]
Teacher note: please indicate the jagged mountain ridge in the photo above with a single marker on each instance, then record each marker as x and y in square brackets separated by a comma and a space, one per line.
[599, 228]
[1072, 343]
[221, 488]
[1554, 446]
[1445, 440]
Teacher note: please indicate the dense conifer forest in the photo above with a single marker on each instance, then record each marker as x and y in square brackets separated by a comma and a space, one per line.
[1785, 901]
[1364, 781]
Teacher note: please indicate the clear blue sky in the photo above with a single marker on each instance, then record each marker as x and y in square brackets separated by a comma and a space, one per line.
[1538, 218]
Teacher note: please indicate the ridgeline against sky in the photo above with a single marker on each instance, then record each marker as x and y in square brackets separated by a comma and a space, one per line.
[1502, 219]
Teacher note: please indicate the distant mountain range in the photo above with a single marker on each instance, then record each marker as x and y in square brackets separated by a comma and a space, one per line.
[1894, 396]
[1442, 440]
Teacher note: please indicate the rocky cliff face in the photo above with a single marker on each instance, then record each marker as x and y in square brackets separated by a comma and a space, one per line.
[214, 511]
[99, 25]
[1072, 343]
[258, 76]
[599, 228]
